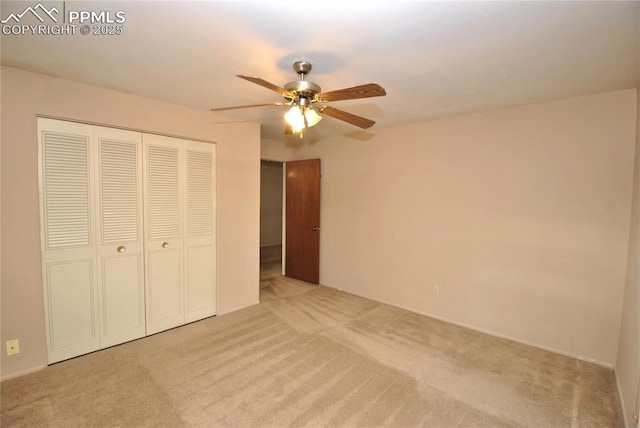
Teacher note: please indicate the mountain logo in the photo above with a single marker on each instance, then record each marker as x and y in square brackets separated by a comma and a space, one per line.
[38, 11]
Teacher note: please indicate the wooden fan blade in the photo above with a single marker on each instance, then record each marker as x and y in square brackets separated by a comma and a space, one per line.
[361, 91]
[347, 117]
[268, 85]
[248, 106]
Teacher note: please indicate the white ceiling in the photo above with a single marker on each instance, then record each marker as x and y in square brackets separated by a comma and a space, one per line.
[435, 59]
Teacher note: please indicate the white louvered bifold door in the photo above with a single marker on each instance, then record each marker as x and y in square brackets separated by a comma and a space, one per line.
[200, 228]
[128, 232]
[163, 232]
[67, 238]
[120, 247]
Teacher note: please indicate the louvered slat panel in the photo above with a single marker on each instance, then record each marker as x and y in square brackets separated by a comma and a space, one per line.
[162, 195]
[119, 191]
[66, 190]
[200, 193]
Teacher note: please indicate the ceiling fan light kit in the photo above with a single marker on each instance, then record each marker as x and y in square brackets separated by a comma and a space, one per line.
[302, 94]
[295, 119]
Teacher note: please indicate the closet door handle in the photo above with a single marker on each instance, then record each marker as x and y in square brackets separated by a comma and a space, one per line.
[165, 244]
[121, 249]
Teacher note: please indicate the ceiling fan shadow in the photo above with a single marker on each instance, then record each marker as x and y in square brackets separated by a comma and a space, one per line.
[361, 135]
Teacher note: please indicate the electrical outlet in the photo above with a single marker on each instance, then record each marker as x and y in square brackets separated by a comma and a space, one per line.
[13, 347]
[436, 291]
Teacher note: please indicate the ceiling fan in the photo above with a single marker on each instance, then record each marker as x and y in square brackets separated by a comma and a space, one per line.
[303, 95]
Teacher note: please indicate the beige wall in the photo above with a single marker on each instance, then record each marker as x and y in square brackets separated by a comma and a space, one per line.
[270, 204]
[520, 216]
[25, 95]
[277, 151]
[628, 362]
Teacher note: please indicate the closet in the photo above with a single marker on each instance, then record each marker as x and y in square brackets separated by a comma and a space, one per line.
[127, 233]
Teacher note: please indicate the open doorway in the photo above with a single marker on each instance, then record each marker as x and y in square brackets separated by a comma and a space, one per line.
[271, 203]
[290, 247]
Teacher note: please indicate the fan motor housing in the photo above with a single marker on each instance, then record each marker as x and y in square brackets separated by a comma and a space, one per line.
[304, 91]
[303, 87]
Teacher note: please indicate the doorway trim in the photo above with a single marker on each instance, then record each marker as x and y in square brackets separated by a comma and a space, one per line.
[284, 206]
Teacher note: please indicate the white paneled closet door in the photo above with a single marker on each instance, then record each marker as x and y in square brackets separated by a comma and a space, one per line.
[92, 240]
[163, 232]
[68, 245]
[200, 239]
[128, 234]
[121, 243]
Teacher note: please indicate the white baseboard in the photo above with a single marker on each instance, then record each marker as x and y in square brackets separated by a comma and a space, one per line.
[238, 308]
[22, 373]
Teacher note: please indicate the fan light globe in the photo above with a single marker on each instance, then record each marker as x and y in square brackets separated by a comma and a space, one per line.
[312, 117]
[295, 118]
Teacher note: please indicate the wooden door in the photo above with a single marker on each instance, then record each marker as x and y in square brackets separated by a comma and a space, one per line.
[120, 238]
[163, 233]
[302, 200]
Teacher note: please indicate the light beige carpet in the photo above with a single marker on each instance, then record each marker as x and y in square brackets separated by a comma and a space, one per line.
[314, 356]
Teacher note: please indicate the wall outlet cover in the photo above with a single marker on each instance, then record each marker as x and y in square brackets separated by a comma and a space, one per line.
[13, 347]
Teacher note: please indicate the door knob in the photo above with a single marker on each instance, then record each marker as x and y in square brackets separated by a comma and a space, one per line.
[121, 249]
[315, 228]
[165, 245]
